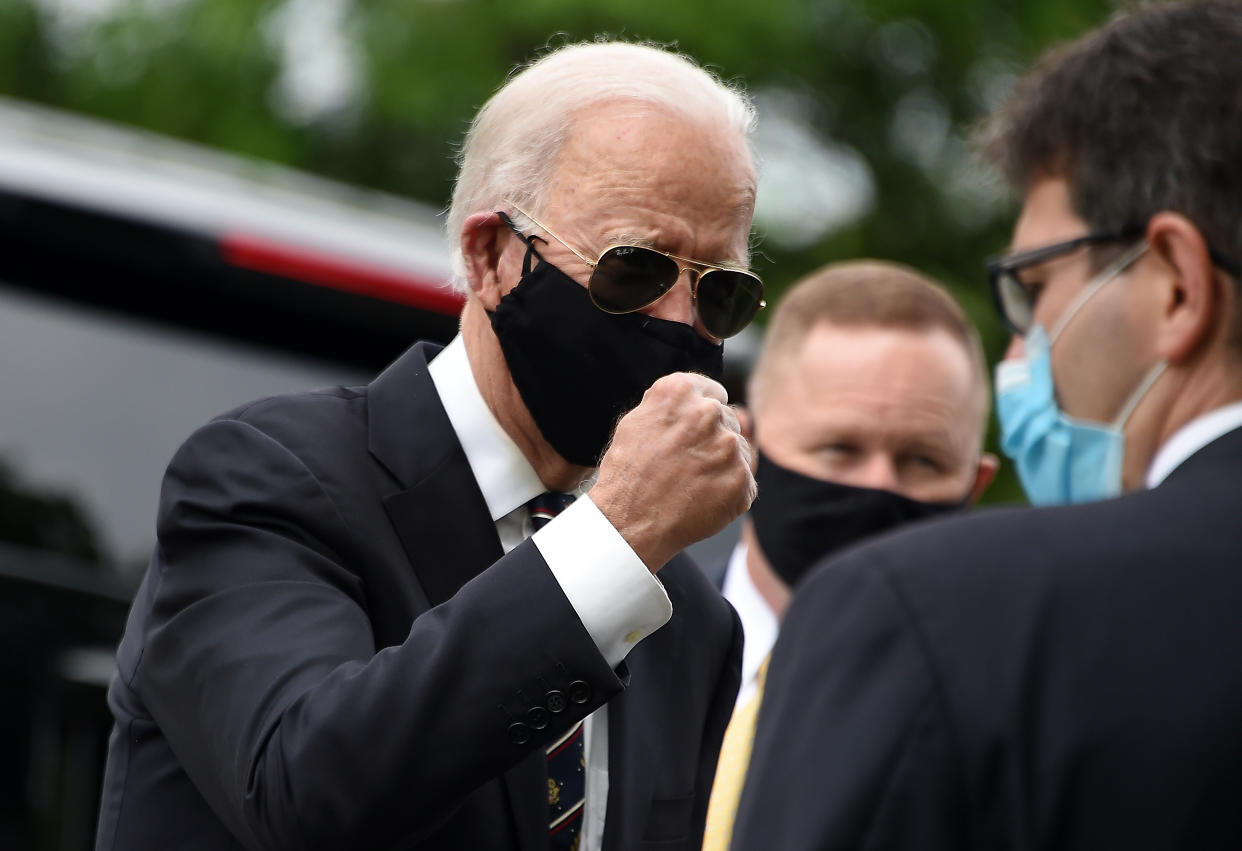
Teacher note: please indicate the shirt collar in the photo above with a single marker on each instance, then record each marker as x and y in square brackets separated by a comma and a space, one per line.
[503, 473]
[1190, 438]
[759, 624]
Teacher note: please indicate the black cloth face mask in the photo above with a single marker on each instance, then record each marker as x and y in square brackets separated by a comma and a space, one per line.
[578, 369]
[799, 520]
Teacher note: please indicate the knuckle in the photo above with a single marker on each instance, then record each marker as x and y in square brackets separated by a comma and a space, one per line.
[675, 381]
[724, 449]
[707, 407]
[666, 388]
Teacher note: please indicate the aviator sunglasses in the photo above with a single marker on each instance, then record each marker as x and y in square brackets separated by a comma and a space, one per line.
[627, 278]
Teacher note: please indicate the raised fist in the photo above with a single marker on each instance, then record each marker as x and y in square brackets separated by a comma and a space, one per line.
[678, 469]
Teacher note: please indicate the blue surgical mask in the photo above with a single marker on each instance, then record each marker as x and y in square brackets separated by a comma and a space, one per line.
[1061, 459]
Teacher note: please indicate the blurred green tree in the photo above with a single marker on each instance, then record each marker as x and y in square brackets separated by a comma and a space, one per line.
[866, 104]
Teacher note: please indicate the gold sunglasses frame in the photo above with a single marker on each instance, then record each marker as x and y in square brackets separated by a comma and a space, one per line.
[703, 269]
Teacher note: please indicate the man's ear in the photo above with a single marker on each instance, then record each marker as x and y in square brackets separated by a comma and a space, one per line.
[1192, 301]
[984, 474]
[483, 240]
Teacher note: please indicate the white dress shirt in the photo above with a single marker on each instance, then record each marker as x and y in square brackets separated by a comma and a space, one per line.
[619, 601]
[759, 623]
[1190, 438]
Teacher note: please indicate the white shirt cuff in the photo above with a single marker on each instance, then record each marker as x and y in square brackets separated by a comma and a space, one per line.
[618, 600]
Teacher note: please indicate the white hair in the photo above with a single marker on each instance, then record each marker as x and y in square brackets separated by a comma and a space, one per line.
[512, 145]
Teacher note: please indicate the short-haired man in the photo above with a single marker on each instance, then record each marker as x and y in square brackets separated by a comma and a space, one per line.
[869, 404]
[365, 625]
[1060, 677]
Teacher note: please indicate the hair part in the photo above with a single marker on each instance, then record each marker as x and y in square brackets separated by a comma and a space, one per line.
[864, 294]
[1139, 116]
[511, 149]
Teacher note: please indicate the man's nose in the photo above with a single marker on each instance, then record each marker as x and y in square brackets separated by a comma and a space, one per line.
[676, 305]
[879, 472]
[1017, 348]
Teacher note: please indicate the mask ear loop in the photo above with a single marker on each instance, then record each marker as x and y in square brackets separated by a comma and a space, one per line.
[530, 249]
[1139, 392]
[528, 241]
[1111, 271]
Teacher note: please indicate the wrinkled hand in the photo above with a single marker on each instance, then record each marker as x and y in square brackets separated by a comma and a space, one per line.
[678, 469]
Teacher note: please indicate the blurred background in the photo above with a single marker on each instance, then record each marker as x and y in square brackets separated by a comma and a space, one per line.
[204, 201]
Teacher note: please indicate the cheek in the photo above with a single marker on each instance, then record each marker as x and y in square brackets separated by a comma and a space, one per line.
[1093, 365]
[785, 446]
[799, 460]
[957, 485]
[842, 467]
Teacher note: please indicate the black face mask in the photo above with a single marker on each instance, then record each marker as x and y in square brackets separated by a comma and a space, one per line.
[579, 369]
[800, 520]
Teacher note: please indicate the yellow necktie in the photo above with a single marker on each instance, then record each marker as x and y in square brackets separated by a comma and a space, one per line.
[739, 737]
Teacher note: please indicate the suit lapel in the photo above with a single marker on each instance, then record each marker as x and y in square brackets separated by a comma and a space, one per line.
[444, 526]
[439, 513]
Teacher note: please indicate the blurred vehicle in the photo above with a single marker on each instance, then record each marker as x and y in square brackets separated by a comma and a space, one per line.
[145, 286]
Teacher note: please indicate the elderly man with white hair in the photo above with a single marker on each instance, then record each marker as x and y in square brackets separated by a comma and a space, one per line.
[368, 623]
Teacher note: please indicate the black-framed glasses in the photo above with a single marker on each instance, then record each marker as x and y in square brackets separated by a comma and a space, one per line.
[1015, 301]
[626, 278]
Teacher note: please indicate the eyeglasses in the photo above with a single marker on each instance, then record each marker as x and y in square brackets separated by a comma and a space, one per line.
[1015, 301]
[626, 278]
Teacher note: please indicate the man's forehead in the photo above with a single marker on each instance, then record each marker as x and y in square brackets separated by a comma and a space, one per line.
[650, 144]
[888, 348]
[860, 377]
[863, 412]
[1047, 216]
[657, 180]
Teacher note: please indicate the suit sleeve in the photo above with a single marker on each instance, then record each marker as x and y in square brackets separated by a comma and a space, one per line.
[853, 748]
[261, 669]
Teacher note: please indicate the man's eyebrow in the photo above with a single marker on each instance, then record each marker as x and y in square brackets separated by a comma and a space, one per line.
[648, 242]
[940, 442]
[626, 238]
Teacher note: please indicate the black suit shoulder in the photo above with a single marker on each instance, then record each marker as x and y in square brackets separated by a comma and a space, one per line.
[317, 426]
[1017, 678]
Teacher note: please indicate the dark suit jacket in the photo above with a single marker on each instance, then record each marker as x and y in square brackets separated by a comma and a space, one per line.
[329, 650]
[1065, 678]
[715, 572]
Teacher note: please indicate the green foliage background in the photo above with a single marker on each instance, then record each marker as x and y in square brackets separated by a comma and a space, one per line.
[206, 70]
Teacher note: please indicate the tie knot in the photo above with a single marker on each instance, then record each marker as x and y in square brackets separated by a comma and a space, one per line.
[546, 506]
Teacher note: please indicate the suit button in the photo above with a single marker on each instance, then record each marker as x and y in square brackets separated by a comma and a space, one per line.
[538, 717]
[579, 691]
[519, 733]
[557, 701]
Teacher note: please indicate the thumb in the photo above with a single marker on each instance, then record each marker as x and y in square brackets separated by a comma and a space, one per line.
[746, 427]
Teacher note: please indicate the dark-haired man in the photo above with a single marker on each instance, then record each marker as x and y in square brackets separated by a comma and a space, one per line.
[1062, 677]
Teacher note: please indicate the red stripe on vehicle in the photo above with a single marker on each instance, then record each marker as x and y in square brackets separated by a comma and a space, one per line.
[325, 270]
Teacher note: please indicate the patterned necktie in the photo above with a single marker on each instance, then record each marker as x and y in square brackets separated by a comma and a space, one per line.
[739, 738]
[566, 756]
[546, 506]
